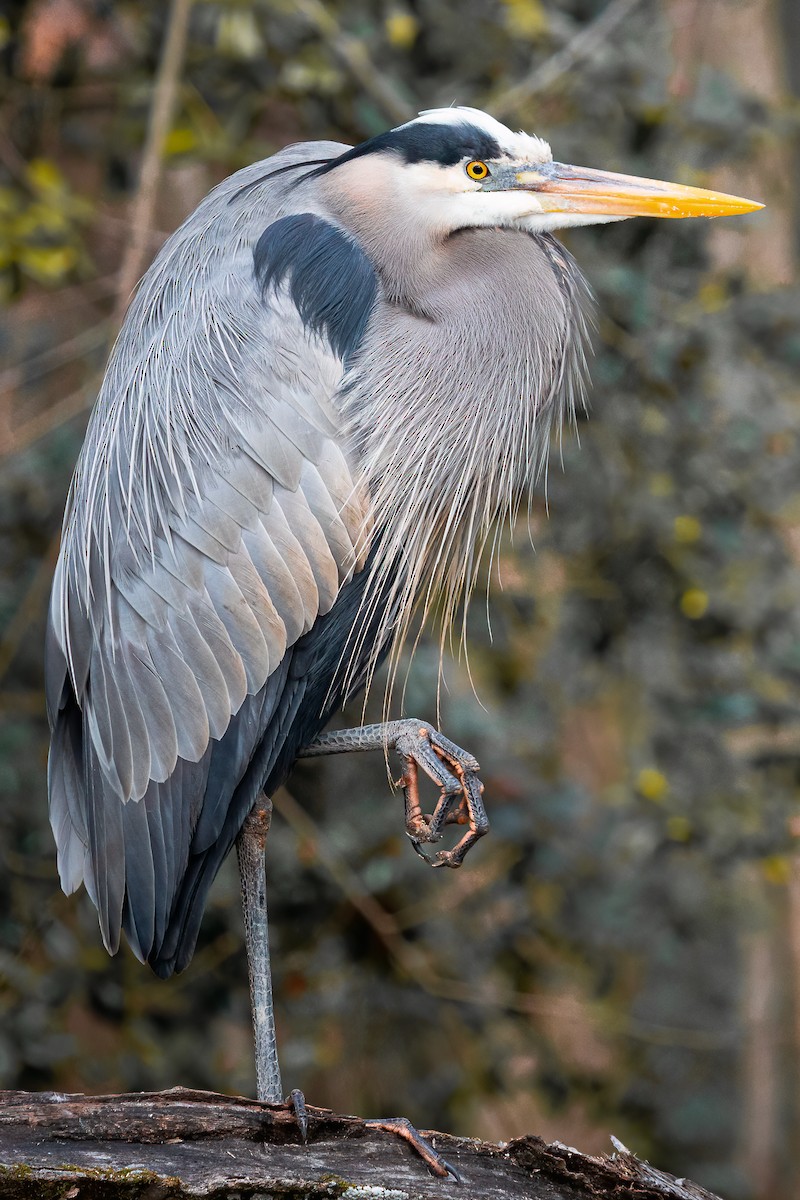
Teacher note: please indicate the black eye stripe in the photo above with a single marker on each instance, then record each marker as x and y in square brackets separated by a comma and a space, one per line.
[446, 145]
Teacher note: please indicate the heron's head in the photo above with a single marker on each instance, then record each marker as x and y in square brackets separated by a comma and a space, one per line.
[457, 168]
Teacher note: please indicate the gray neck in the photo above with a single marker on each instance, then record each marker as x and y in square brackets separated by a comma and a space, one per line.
[475, 350]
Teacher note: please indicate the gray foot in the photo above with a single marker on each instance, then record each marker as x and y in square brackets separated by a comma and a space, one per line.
[454, 770]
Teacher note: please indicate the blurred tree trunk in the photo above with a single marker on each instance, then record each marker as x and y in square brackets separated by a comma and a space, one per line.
[760, 1074]
[790, 28]
[793, 922]
[744, 39]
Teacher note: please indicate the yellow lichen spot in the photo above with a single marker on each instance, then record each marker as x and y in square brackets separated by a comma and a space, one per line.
[687, 529]
[526, 18]
[48, 264]
[652, 784]
[180, 140]
[38, 219]
[775, 868]
[771, 687]
[661, 484]
[402, 29]
[44, 175]
[653, 420]
[679, 829]
[653, 114]
[238, 34]
[9, 202]
[694, 603]
[712, 297]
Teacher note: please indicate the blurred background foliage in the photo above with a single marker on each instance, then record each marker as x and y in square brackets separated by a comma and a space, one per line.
[623, 953]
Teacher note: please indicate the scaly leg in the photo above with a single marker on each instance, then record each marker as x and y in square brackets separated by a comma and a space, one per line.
[460, 802]
[250, 847]
[454, 771]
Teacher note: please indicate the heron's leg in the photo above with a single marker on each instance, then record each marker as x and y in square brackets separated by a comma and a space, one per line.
[454, 770]
[250, 847]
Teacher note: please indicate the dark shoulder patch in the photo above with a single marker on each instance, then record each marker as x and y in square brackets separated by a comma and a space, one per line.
[423, 142]
[330, 279]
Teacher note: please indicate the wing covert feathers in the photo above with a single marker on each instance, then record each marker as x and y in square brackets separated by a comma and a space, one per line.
[212, 520]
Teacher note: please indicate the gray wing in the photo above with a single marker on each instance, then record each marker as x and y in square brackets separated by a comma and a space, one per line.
[213, 520]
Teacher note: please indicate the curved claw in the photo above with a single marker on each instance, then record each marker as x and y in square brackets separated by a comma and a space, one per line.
[418, 850]
[297, 1102]
[460, 791]
[457, 1176]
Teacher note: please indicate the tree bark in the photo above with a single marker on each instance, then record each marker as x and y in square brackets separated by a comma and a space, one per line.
[743, 40]
[186, 1144]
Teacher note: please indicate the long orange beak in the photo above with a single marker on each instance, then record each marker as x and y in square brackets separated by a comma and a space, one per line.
[564, 189]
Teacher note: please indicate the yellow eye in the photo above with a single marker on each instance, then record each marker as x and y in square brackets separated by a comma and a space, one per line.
[477, 170]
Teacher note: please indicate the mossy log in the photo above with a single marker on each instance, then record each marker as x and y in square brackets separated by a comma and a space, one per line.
[186, 1144]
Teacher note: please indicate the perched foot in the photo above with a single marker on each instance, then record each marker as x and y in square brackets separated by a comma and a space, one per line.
[296, 1101]
[404, 1129]
[400, 1126]
[461, 791]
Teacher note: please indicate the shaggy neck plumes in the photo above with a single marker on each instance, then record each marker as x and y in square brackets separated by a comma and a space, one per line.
[449, 416]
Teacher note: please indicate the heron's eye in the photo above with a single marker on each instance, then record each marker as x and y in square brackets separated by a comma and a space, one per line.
[477, 170]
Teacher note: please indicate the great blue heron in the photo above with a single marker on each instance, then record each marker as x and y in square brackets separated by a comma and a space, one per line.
[335, 379]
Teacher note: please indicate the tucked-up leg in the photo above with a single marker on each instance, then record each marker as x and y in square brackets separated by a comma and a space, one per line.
[454, 770]
[460, 802]
[250, 847]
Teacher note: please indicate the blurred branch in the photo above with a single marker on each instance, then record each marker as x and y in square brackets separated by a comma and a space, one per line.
[161, 112]
[500, 863]
[121, 227]
[189, 1143]
[58, 414]
[581, 46]
[22, 704]
[353, 55]
[750, 742]
[758, 1133]
[16, 436]
[793, 939]
[54, 356]
[407, 956]
[11, 158]
[416, 965]
[28, 608]
[142, 236]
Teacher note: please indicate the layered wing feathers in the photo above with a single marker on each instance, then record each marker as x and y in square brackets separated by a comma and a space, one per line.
[212, 521]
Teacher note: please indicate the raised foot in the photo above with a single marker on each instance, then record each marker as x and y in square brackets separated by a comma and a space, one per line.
[403, 1128]
[455, 771]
